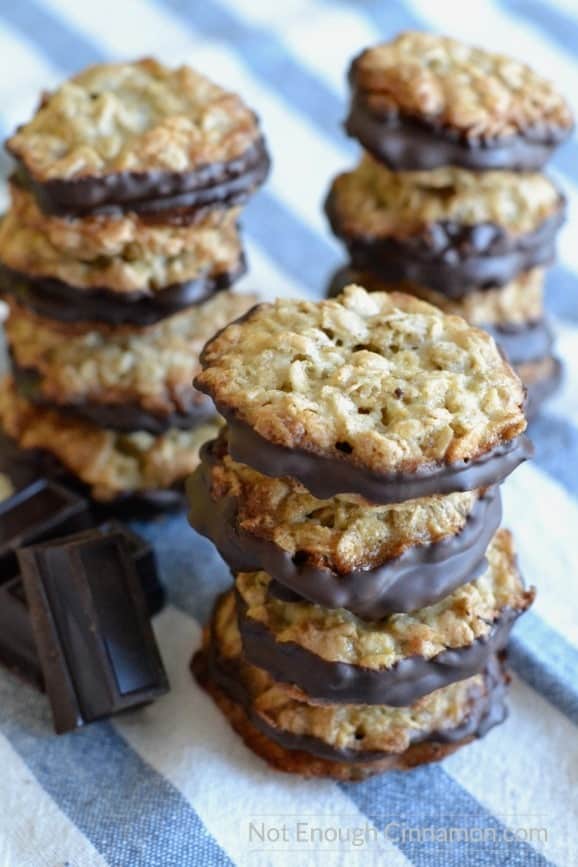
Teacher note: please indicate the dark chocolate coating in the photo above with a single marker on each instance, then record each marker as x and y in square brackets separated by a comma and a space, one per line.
[343, 683]
[525, 343]
[326, 477]
[487, 709]
[408, 144]
[155, 192]
[115, 416]
[17, 645]
[452, 258]
[91, 627]
[540, 390]
[420, 576]
[54, 299]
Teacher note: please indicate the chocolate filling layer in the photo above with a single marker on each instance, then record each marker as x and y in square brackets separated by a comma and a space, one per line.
[57, 300]
[341, 682]
[154, 192]
[450, 257]
[422, 575]
[487, 709]
[541, 389]
[327, 476]
[406, 144]
[121, 416]
[525, 343]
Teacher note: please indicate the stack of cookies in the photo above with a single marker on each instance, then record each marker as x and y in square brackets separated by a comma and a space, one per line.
[448, 202]
[354, 494]
[121, 235]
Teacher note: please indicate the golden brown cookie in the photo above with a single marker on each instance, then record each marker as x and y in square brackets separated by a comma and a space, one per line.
[337, 657]
[125, 378]
[113, 465]
[451, 230]
[344, 742]
[139, 137]
[422, 101]
[370, 393]
[342, 552]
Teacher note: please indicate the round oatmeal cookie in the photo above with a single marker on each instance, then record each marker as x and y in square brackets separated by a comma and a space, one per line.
[333, 655]
[210, 248]
[518, 303]
[341, 552]
[376, 394]
[450, 230]
[541, 379]
[342, 741]
[422, 101]
[139, 137]
[122, 378]
[112, 464]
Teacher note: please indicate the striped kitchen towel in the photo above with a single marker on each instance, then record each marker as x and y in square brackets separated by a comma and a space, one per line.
[171, 785]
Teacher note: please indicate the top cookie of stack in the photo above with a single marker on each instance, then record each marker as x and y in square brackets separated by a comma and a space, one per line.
[448, 202]
[123, 228]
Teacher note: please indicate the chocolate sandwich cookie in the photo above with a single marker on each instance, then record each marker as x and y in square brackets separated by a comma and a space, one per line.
[111, 464]
[133, 282]
[122, 378]
[334, 656]
[344, 742]
[450, 230]
[139, 137]
[423, 101]
[374, 394]
[341, 552]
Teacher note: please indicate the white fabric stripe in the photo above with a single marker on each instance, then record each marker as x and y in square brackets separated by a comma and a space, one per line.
[564, 404]
[265, 278]
[544, 520]
[186, 739]
[333, 35]
[526, 772]
[32, 828]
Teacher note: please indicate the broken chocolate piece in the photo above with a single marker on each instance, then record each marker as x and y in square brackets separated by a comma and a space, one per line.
[94, 638]
[40, 511]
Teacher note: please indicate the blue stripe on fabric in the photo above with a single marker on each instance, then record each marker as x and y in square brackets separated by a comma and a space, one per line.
[546, 662]
[131, 814]
[556, 442]
[562, 293]
[65, 46]
[268, 58]
[429, 798]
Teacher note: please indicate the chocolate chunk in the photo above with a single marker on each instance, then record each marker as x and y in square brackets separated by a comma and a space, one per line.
[40, 511]
[94, 638]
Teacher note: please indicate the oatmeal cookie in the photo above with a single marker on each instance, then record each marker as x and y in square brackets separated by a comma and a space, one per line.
[122, 378]
[370, 393]
[139, 137]
[518, 303]
[112, 465]
[422, 101]
[450, 230]
[333, 655]
[341, 741]
[341, 552]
